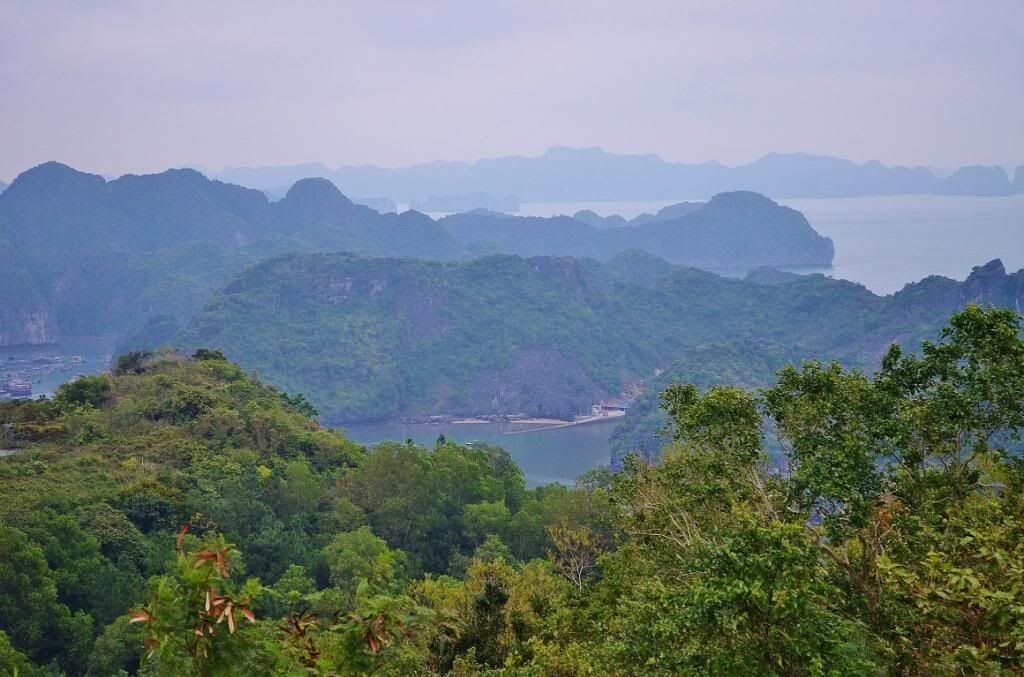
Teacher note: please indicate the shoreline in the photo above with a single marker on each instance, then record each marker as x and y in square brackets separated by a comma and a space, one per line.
[472, 420]
[532, 424]
[568, 424]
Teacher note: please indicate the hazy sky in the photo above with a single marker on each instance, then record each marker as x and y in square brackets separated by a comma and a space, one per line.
[139, 86]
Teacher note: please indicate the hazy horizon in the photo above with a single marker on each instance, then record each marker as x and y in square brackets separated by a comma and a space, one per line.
[215, 170]
[128, 87]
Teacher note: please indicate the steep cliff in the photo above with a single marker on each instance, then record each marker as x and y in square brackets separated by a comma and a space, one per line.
[25, 316]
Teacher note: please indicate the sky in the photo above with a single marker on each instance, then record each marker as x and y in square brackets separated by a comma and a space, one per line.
[139, 86]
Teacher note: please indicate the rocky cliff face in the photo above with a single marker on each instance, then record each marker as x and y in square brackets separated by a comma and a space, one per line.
[542, 382]
[25, 316]
[990, 284]
[32, 328]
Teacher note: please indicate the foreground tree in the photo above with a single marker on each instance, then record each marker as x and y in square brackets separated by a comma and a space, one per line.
[910, 487]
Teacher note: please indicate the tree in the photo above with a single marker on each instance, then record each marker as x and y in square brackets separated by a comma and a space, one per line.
[299, 403]
[908, 474]
[493, 549]
[86, 580]
[13, 663]
[118, 648]
[574, 553]
[199, 621]
[202, 354]
[722, 419]
[298, 490]
[485, 518]
[361, 556]
[30, 615]
[84, 391]
[132, 362]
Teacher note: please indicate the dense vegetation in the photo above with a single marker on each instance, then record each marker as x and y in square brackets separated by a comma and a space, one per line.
[748, 364]
[92, 257]
[380, 338]
[177, 517]
[105, 475]
[104, 257]
[739, 230]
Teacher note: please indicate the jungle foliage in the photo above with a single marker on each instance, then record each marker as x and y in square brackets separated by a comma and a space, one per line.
[183, 518]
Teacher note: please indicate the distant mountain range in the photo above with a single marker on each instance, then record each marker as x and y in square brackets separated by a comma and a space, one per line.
[376, 316]
[591, 174]
[87, 256]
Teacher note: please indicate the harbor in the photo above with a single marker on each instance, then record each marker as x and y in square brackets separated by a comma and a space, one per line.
[31, 371]
[18, 375]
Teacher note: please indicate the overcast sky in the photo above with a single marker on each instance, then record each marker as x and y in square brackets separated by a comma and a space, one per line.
[141, 86]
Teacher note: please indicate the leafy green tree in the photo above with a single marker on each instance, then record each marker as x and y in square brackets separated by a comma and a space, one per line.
[298, 490]
[204, 354]
[30, 615]
[493, 549]
[199, 621]
[724, 419]
[84, 391]
[396, 490]
[361, 556]
[834, 424]
[288, 594]
[132, 362]
[299, 403]
[119, 648]
[485, 519]
[909, 474]
[86, 580]
[13, 663]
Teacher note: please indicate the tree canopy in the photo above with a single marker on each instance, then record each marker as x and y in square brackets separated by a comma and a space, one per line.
[192, 520]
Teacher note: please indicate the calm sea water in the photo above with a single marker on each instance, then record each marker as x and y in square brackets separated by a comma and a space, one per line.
[886, 242]
[555, 455]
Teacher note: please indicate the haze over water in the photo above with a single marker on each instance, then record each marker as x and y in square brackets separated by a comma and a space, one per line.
[886, 242]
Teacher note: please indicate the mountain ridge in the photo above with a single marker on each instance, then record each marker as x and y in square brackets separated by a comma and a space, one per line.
[586, 174]
[104, 257]
[382, 339]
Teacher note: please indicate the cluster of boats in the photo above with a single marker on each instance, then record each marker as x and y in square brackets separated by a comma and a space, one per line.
[19, 374]
[12, 387]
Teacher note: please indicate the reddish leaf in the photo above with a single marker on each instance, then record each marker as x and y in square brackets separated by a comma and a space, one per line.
[181, 537]
[140, 616]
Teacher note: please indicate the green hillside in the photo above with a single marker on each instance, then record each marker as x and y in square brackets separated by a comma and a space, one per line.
[179, 517]
[374, 339]
[92, 257]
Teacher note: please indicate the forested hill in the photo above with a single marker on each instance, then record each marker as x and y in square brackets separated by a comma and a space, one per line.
[97, 483]
[179, 517]
[371, 339]
[103, 257]
[97, 257]
[740, 230]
